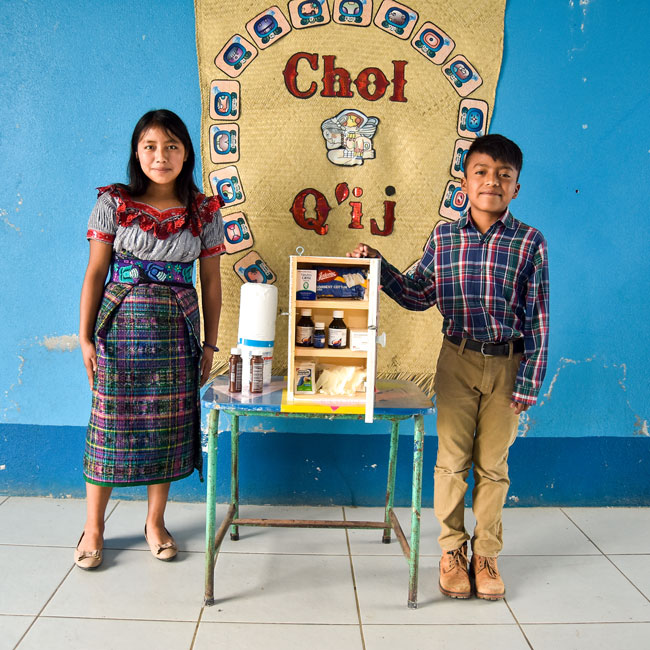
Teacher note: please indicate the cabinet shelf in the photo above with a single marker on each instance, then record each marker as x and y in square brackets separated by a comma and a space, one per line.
[343, 353]
[332, 303]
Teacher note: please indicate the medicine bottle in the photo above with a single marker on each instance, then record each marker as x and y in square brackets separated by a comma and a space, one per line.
[257, 374]
[319, 335]
[235, 370]
[337, 334]
[305, 329]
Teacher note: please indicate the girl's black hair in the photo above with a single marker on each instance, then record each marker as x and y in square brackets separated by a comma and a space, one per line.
[186, 189]
[498, 147]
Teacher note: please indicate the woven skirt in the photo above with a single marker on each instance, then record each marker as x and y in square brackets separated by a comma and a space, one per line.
[144, 424]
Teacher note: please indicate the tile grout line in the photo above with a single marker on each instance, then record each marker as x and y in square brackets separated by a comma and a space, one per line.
[47, 602]
[306, 624]
[549, 623]
[196, 627]
[605, 555]
[580, 529]
[354, 582]
[4, 500]
[521, 629]
[65, 617]
[117, 503]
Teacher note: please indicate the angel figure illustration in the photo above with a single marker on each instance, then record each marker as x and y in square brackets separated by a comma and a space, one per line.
[348, 137]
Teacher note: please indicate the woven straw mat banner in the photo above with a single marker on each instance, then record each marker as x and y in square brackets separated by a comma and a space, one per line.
[326, 123]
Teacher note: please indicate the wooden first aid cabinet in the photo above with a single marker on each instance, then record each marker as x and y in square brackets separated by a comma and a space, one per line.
[359, 314]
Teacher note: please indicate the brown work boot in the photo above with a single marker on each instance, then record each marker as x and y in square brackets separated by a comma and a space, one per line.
[454, 578]
[487, 580]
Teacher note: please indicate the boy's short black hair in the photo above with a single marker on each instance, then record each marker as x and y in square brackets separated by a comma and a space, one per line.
[498, 147]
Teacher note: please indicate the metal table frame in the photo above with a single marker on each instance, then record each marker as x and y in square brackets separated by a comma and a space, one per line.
[233, 521]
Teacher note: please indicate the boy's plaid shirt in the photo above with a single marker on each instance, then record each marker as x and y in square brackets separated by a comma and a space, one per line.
[490, 288]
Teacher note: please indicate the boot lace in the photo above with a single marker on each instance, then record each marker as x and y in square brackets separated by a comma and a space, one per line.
[457, 558]
[489, 563]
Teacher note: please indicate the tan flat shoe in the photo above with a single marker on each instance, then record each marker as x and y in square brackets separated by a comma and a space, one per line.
[164, 552]
[87, 559]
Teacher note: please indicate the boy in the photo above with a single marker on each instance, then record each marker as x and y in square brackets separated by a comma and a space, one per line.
[488, 274]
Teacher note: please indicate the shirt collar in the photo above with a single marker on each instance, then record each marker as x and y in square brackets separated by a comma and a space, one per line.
[506, 219]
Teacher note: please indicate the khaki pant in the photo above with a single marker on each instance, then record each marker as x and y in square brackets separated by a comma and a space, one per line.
[475, 425]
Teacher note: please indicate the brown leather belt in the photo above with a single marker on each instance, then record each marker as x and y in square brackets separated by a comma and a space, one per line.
[489, 349]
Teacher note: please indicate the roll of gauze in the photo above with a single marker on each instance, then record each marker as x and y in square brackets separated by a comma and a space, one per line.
[258, 309]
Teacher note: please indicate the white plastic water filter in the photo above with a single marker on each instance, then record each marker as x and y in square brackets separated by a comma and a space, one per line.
[258, 309]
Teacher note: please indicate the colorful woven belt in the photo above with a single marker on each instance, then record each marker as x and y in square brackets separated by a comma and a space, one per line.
[131, 270]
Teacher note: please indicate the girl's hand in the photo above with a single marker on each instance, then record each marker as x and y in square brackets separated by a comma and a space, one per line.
[89, 355]
[206, 364]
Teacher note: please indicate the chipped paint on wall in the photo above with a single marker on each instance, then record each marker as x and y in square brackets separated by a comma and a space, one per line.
[641, 427]
[64, 343]
[582, 8]
[30, 354]
[584, 4]
[259, 428]
[564, 362]
[523, 427]
[5, 219]
[19, 380]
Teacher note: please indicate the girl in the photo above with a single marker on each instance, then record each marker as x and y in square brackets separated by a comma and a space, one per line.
[140, 334]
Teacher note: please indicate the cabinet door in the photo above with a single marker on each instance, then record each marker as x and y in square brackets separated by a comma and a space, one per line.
[291, 342]
[373, 322]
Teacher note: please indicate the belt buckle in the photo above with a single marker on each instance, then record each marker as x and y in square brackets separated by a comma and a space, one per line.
[483, 344]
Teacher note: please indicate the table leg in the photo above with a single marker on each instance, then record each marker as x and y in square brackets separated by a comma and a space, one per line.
[390, 488]
[416, 502]
[211, 504]
[234, 472]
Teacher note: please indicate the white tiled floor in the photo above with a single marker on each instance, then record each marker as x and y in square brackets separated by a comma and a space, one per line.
[577, 578]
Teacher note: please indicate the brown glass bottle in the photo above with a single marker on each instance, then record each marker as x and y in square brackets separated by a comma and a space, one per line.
[337, 333]
[305, 329]
[257, 374]
[235, 370]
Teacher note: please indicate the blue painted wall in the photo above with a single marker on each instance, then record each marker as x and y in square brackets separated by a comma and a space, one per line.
[77, 76]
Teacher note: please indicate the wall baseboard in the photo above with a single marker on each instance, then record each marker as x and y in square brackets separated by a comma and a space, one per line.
[343, 469]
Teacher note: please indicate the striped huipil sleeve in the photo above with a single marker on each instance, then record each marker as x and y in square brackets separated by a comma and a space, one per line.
[212, 237]
[102, 224]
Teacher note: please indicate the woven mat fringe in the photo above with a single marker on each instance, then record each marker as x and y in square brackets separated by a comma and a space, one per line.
[424, 380]
[219, 367]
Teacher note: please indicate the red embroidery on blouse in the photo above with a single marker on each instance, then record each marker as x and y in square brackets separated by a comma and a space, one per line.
[215, 250]
[163, 222]
[101, 236]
